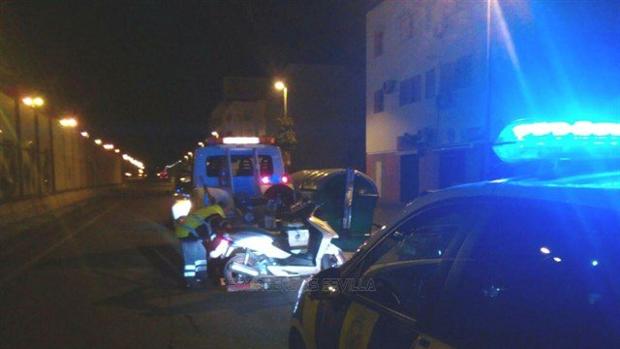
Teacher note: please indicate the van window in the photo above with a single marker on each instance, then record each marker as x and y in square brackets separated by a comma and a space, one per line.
[540, 275]
[242, 165]
[215, 165]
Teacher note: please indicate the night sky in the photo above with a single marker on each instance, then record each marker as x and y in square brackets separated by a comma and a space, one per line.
[147, 74]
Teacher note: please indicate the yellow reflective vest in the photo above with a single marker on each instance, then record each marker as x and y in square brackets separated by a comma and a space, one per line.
[195, 219]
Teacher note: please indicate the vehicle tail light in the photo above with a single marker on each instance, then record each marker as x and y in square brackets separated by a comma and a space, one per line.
[285, 179]
[220, 248]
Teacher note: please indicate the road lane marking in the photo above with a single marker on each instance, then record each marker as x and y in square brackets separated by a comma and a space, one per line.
[17, 272]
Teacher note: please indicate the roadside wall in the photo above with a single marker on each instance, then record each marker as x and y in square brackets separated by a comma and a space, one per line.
[40, 159]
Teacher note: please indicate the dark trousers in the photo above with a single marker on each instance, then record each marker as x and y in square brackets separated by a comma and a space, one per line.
[194, 258]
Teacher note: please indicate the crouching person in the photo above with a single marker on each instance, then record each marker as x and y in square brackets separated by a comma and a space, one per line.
[192, 231]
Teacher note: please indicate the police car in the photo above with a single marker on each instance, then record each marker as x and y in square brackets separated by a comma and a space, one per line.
[530, 261]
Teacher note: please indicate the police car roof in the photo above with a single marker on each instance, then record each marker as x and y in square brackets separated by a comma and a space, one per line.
[595, 190]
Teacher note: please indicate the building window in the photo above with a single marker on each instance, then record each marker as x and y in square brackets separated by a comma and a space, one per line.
[406, 26]
[378, 43]
[446, 83]
[463, 71]
[446, 86]
[404, 92]
[430, 84]
[410, 90]
[378, 107]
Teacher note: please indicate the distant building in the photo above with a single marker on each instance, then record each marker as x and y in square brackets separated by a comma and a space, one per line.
[425, 95]
[326, 103]
[248, 107]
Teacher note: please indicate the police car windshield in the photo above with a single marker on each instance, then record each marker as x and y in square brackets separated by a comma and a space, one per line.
[241, 165]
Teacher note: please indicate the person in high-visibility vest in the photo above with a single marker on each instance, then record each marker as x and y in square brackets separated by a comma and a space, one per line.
[192, 230]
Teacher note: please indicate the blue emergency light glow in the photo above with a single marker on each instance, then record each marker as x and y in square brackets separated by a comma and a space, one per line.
[527, 140]
[560, 129]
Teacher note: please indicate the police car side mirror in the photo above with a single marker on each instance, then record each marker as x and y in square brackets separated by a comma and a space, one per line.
[325, 285]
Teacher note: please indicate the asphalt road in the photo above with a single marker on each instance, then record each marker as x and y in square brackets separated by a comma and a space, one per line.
[106, 276]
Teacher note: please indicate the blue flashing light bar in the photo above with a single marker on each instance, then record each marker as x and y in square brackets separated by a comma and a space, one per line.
[528, 140]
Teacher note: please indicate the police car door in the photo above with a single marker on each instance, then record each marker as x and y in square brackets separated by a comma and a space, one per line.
[402, 277]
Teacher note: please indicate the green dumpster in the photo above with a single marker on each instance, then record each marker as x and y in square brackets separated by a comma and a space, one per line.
[350, 215]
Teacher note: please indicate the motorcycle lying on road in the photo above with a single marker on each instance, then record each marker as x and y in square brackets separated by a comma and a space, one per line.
[301, 246]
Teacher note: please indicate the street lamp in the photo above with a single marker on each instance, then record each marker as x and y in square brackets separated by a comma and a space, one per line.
[98, 141]
[281, 86]
[68, 122]
[215, 134]
[84, 134]
[35, 103]
[108, 146]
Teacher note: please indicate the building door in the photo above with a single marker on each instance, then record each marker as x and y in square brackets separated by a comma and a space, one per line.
[409, 177]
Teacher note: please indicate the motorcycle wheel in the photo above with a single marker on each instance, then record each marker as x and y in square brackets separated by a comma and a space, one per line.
[232, 277]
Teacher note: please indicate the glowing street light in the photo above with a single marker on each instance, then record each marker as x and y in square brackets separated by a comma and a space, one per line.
[33, 102]
[117, 150]
[190, 154]
[281, 86]
[215, 134]
[108, 146]
[201, 144]
[133, 161]
[84, 134]
[68, 122]
[98, 141]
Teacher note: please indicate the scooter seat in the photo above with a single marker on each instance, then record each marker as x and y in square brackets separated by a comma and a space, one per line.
[299, 260]
[255, 230]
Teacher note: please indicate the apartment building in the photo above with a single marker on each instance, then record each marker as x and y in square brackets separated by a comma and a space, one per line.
[425, 95]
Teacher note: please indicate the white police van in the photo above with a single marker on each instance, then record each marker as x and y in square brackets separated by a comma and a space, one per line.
[245, 166]
[532, 261]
